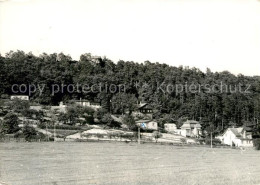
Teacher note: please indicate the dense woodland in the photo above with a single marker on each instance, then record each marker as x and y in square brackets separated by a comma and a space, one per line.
[219, 108]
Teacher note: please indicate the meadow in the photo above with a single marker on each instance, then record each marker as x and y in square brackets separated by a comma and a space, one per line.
[125, 163]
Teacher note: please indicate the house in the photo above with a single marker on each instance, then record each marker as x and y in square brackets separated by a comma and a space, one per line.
[170, 127]
[145, 108]
[191, 128]
[239, 137]
[36, 107]
[61, 108]
[148, 124]
[20, 97]
[87, 103]
[28, 120]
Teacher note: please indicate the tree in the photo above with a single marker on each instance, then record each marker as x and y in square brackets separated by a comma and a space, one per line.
[122, 102]
[10, 124]
[18, 67]
[20, 106]
[106, 119]
[129, 121]
[72, 114]
[99, 114]
[29, 132]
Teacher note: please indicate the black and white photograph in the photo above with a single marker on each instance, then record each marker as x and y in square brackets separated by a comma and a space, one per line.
[129, 92]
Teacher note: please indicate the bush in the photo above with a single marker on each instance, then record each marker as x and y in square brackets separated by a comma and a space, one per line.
[201, 141]
[62, 127]
[183, 140]
[128, 136]
[100, 136]
[214, 141]
[10, 124]
[19, 106]
[29, 133]
[129, 121]
[157, 135]
[114, 135]
[99, 114]
[106, 119]
[257, 143]
[117, 135]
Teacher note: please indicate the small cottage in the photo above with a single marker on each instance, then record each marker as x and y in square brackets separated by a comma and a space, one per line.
[170, 127]
[147, 124]
[60, 108]
[19, 97]
[88, 103]
[145, 108]
[191, 128]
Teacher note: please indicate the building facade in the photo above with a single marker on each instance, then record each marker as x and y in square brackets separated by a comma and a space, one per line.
[170, 127]
[239, 137]
[191, 128]
[20, 97]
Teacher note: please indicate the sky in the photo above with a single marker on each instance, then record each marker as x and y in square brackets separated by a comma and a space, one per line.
[216, 34]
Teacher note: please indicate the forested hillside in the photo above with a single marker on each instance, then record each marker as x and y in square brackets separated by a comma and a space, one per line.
[146, 82]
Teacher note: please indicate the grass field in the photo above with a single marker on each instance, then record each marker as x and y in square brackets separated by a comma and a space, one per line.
[122, 163]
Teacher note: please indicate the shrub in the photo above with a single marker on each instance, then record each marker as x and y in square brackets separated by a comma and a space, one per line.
[157, 135]
[128, 136]
[129, 121]
[100, 135]
[183, 140]
[99, 114]
[29, 133]
[114, 135]
[10, 124]
[214, 141]
[201, 141]
[257, 143]
[62, 127]
[19, 106]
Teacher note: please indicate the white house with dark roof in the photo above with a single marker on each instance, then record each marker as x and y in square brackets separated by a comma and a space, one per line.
[191, 128]
[239, 137]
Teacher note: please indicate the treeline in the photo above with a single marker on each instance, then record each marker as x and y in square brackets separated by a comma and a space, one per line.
[220, 98]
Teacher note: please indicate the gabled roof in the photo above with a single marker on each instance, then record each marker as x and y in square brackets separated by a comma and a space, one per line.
[143, 121]
[191, 124]
[141, 105]
[248, 129]
[236, 131]
[239, 129]
[144, 105]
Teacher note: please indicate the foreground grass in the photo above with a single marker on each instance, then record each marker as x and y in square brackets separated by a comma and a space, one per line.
[120, 163]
